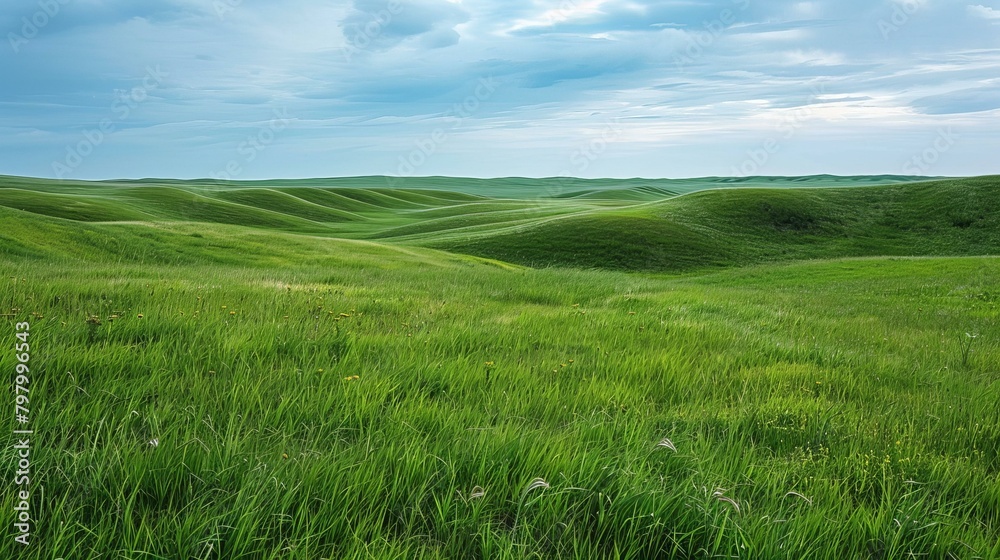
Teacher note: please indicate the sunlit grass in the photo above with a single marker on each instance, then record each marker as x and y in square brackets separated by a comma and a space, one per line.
[824, 410]
[215, 376]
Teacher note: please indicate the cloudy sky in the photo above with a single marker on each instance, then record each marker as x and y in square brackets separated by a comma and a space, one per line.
[249, 89]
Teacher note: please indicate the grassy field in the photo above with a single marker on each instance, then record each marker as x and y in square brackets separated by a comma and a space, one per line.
[350, 371]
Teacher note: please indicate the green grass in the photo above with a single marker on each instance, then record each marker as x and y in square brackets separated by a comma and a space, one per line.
[287, 203]
[631, 224]
[746, 226]
[526, 188]
[821, 408]
[72, 207]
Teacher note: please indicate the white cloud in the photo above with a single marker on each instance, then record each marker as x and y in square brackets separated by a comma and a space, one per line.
[567, 10]
[415, 71]
[813, 57]
[984, 12]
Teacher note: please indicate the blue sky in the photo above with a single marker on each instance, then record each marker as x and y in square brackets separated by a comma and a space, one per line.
[249, 89]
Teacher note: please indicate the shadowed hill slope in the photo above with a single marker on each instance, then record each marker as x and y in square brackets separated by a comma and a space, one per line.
[613, 224]
[744, 226]
[56, 241]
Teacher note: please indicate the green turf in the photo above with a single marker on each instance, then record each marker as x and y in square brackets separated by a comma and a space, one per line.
[83, 208]
[286, 203]
[313, 396]
[745, 226]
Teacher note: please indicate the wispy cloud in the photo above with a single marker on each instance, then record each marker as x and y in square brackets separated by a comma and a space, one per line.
[564, 12]
[984, 12]
[691, 86]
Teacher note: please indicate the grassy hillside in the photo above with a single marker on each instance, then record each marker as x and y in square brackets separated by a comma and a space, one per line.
[744, 226]
[553, 187]
[223, 373]
[621, 224]
[49, 242]
[339, 399]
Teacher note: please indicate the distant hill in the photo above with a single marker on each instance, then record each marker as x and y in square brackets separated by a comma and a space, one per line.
[744, 226]
[634, 224]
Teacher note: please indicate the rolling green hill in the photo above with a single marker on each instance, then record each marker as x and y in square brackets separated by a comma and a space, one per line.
[611, 224]
[744, 226]
[552, 187]
[275, 371]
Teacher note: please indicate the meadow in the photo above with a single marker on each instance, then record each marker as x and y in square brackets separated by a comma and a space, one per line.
[521, 369]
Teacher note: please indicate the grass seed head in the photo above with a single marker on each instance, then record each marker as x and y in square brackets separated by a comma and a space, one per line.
[718, 495]
[665, 442]
[797, 495]
[535, 485]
